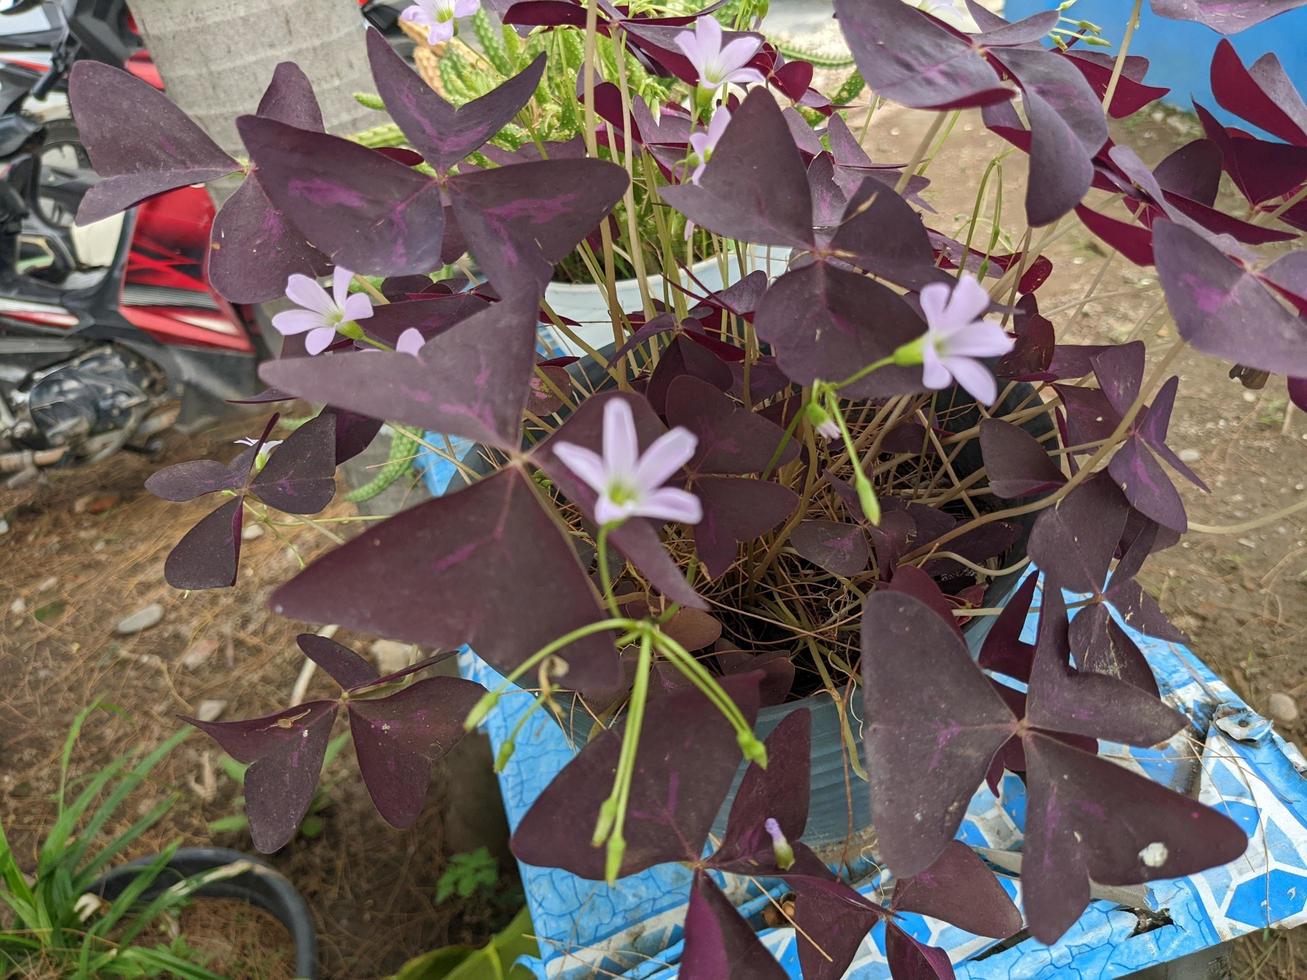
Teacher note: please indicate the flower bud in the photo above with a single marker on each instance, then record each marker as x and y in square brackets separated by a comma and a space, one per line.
[781, 848]
[867, 498]
[752, 749]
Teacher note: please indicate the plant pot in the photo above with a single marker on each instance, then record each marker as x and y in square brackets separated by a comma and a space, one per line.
[587, 303]
[262, 887]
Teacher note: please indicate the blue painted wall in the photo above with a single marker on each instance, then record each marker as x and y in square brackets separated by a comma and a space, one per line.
[1180, 52]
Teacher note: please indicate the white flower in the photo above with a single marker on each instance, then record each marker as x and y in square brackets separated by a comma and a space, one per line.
[321, 313]
[629, 484]
[438, 16]
[718, 65]
[956, 335]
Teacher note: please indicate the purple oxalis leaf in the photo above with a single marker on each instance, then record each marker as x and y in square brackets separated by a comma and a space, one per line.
[1018, 465]
[736, 509]
[684, 763]
[518, 221]
[342, 664]
[471, 380]
[731, 438]
[637, 538]
[398, 738]
[1226, 16]
[138, 141]
[466, 548]
[913, 581]
[960, 889]
[755, 187]
[254, 249]
[368, 213]
[719, 945]
[300, 475]
[1221, 308]
[439, 131]
[833, 919]
[1003, 650]
[911, 960]
[208, 555]
[839, 548]
[928, 745]
[284, 752]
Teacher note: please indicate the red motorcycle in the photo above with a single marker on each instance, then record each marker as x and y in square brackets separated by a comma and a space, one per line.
[109, 334]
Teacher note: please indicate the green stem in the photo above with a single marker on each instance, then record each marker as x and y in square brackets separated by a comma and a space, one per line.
[863, 372]
[621, 795]
[696, 674]
[605, 578]
[509, 745]
[491, 698]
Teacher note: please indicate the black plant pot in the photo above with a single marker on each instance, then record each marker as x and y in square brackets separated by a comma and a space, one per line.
[263, 887]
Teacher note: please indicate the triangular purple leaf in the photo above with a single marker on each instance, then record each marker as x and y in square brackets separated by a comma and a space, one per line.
[1017, 464]
[719, 945]
[960, 889]
[208, 555]
[832, 921]
[731, 438]
[839, 548]
[342, 664]
[254, 249]
[300, 475]
[911, 960]
[736, 509]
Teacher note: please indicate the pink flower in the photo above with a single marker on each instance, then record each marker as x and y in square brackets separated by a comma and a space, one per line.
[704, 142]
[829, 430]
[321, 314]
[956, 335]
[438, 16]
[628, 484]
[717, 65]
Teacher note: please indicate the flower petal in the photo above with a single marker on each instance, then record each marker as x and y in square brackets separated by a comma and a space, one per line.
[584, 463]
[980, 339]
[621, 443]
[688, 42]
[439, 32]
[671, 504]
[933, 372]
[340, 285]
[466, 8]
[974, 377]
[745, 76]
[607, 512]
[668, 453]
[934, 300]
[290, 322]
[305, 292]
[357, 307]
[709, 34]
[319, 339]
[411, 341]
[968, 301]
[738, 52]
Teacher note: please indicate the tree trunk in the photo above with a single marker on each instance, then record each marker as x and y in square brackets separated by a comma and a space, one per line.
[217, 56]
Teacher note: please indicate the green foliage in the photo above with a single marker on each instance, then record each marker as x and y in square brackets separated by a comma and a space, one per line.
[313, 823]
[494, 961]
[53, 922]
[468, 873]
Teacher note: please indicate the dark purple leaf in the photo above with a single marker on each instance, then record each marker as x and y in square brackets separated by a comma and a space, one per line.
[1221, 308]
[430, 315]
[1226, 16]
[731, 438]
[682, 357]
[1298, 392]
[637, 538]
[1089, 818]
[1017, 464]
[780, 792]
[777, 672]
[368, 213]
[1131, 240]
[354, 432]
[832, 922]
[719, 945]
[466, 549]
[1131, 93]
[960, 889]
[827, 322]
[1279, 111]
[1092, 704]
[839, 548]
[138, 141]
[884, 235]
[208, 555]
[911, 960]
[1003, 650]
[300, 475]
[1146, 485]
[1193, 171]
[1032, 357]
[686, 758]
[910, 58]
[439, 131]
[736, 509]
[1100, 646]
[289, 99]
[471, 380]
[998, 32]
[1262, 170]
[254, 250]
[341, 664]
[933, 724]
[520, 220]
[911, 580]
[284, 752]
[196, 477]
[755, 187]
[398, 738]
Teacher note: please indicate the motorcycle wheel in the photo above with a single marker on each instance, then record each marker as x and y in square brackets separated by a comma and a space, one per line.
[62, 149]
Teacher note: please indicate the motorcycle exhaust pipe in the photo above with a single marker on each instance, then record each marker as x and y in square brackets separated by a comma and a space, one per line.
[30, 459]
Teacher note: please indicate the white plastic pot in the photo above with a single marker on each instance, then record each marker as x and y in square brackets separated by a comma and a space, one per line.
[587, 303]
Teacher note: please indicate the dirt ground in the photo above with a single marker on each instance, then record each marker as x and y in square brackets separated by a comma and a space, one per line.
[70, 574]
[68, 578]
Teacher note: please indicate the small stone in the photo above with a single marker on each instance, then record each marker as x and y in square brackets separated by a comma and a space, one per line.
[252, 532]
[140, 620]
[210, 709]
[47, 584]
[18, 606]
[95, 503]
[1282, 708]
[391, 655]
[198, 652]
[1190, 455]
[4, 526]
